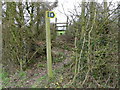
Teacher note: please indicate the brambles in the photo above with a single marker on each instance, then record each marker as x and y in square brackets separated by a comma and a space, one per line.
[85, 57]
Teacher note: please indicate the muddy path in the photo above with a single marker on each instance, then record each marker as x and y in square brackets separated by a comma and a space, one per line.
[35, 74]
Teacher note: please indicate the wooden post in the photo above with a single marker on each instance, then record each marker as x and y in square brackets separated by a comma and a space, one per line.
[55, 24]
[67, 24]
[48, 46]
[55, 20]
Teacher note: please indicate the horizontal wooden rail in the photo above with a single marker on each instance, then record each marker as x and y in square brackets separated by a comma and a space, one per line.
[61, 30]
[61, 26]
[61, 23]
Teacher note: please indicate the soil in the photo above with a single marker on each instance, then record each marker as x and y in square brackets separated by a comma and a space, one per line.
[36, 72]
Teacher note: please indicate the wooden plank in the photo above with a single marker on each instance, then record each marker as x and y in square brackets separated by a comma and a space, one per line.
[60, 30]
[61, 26]
[61, 23]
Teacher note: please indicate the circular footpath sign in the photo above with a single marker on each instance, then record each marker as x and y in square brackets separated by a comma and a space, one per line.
[50, 14]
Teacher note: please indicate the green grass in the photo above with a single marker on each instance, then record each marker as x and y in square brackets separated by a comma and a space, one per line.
[60, 57]
[40, 65]
[38, 81]
[5, 78]
[42, 78]
[22, 74]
